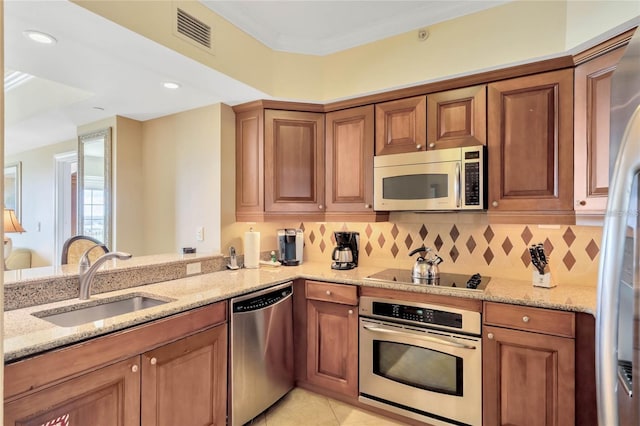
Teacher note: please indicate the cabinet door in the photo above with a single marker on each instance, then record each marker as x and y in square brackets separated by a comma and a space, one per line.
[530, 143]
[109, 396]
[332, 346]
[294, 161]
[401, 126]
[185, 382]
[591, 132]
[528, 378]
[249, 162]
[349, 157]
[457, 118]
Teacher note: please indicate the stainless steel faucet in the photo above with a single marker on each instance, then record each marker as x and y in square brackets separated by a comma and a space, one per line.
[86, 270]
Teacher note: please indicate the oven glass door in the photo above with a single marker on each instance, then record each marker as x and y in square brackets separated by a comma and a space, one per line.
[436, 374]
[439, 371]
[433, 186]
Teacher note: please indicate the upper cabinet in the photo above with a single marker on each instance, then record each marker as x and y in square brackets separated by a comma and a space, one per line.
[401, 126]
[349, 165]
[457, 118]
[530, 148]
[592, 111]
[294, 161]
[286, 168]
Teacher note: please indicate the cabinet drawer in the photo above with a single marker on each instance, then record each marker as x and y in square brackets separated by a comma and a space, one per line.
[336, 293]
[540, 320]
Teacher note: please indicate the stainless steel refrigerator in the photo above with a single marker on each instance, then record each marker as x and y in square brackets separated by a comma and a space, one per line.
[618, 309]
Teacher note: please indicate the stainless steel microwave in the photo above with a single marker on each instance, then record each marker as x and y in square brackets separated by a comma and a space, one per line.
[443, 179]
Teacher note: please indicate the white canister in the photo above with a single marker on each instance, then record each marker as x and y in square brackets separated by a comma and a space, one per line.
[251, 249]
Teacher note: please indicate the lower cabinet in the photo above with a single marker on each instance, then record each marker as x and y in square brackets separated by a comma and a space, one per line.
[332, 337]
[178, 382]
[528, 366]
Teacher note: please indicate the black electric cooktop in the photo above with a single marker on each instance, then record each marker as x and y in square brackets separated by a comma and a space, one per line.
[461, 281]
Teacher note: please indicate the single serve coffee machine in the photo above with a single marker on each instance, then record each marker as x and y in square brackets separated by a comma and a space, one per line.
[345, 255]
[290, 244]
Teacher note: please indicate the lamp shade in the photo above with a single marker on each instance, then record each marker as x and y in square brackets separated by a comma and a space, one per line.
[11, 223]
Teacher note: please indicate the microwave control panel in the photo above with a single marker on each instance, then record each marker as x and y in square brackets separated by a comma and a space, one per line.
[473, 177]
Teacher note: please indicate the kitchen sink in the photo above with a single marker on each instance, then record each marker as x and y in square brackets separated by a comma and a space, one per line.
[97, 310]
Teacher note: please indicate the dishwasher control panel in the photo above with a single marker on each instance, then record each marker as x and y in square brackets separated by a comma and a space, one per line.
[262, 301]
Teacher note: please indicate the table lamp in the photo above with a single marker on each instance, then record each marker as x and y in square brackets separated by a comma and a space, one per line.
[11, 224]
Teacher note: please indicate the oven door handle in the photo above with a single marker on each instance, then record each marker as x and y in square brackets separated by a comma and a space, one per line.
[420, 337]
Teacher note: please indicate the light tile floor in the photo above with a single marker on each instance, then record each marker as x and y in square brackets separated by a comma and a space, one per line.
[301, 407]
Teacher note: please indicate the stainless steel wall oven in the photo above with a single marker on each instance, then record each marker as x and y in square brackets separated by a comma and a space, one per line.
[422, 361]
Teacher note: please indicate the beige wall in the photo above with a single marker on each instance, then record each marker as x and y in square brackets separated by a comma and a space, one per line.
[511, 33]
[38, 200]
[181, 163]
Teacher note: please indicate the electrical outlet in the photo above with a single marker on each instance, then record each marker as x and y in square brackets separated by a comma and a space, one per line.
[194, 268]
[200, 233]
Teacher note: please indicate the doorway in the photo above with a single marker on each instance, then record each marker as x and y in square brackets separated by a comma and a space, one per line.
[66, 200]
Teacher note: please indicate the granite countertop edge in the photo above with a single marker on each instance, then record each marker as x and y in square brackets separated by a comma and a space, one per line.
[27, 335]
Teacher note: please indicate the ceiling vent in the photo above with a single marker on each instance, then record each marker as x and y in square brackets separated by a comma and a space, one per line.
[193, 30]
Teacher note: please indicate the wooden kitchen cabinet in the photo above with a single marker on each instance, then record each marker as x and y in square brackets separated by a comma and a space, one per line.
[349, 144]
[457, 118]
[530, 148]
[401, 126]
[592, 110]
[332, 337]
[185, 382]
[105, 397]
[528, 366]
[151, 369]
[294, 161]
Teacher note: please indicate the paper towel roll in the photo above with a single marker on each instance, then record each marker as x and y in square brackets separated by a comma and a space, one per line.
[251, 249]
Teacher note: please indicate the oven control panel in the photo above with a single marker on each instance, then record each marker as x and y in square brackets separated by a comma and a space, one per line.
[417, 314]
[421, 314]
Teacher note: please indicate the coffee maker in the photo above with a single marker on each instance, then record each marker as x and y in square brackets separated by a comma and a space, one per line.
[290, 243]
[345, 255]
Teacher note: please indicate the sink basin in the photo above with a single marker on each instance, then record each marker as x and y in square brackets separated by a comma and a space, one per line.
[99, 309]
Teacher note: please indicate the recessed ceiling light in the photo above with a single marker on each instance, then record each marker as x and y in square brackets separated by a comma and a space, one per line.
[39, 37]
[171, 85]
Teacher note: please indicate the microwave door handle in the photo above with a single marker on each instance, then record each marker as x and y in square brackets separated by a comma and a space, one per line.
[457, 185]
[420, 337]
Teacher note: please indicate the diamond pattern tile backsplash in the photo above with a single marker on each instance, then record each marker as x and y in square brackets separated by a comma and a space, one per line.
[489, 249]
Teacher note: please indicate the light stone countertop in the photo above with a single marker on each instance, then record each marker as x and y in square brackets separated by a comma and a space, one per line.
[25, 334]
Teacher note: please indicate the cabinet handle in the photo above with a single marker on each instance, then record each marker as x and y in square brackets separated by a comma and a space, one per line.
[328, 293]
[525, 319]
[153, 361]
[494, 204]
[490, 336]
[134, 368]
[419, 146]
[350, 311]
[582, 203]
[431, 145]
[367, 206]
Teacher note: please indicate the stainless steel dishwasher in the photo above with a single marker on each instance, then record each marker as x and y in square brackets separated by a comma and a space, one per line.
[262, 369]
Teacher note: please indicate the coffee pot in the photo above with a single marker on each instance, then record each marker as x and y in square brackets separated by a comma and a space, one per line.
[425, 270]
[345, 254]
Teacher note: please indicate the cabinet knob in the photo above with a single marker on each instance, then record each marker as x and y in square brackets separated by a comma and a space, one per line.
[432, 145]
[490, 336]
[350, 311]
[525, 319]
[494, 204]
[367, 206]
[328, 293]
[582, 203]
[419, 146]
[134, 368]
[320, 206]
[153, 361]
